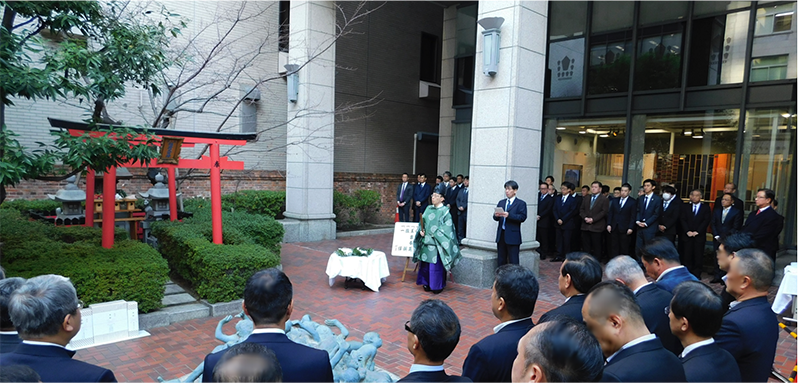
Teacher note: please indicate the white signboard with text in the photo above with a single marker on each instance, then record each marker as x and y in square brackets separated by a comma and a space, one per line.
[403, 235]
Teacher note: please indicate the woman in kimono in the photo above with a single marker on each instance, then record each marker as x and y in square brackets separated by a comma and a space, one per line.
[435, 246]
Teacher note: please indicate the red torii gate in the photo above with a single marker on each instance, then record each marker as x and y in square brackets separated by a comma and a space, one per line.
[213, 162]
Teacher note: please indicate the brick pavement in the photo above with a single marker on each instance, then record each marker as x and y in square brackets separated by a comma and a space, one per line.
[175, 350]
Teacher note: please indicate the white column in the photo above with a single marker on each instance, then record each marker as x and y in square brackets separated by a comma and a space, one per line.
[506, 129]
[310, 130]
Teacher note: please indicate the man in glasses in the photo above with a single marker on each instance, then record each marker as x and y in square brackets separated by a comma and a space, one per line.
[433, 332]
[46, 312]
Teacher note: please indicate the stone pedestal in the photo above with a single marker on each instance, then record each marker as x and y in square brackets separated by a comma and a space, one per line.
[310, 130]
[506, 126]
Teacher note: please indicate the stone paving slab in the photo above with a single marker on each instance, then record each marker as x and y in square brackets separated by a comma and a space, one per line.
[177, 349]
[177, 299]
[172, 288]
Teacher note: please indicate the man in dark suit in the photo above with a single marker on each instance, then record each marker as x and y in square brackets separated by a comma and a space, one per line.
[671, 212]
[433, 332]
[545, 219]
[268, 300]
[661, 261]
[462, 210]
[726, 220]
[765, 224]
[46, 312]
[621, 221]
[649, 208]
[633, 353]
[750, 329]
[451, 200]
[593, 213]
[696, 313]
[9, 338]
[421, 193]
[653, 300]
[695, 220]
[578, 274]
[515, 292]
[730, 188]
[729, 246]
[565, 213]
[248, 362]
[404, 194]
[508, 231]
[561, 350]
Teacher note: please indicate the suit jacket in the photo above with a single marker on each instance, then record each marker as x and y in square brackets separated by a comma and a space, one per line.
[512, 226]
[653, 302]
[545, 211]
[599, 213]
[435, 376]
[572, 308]
[738, 203]
[695, 222]
[422, 193]
[673, 278]
[732, 224]
[622, 218]
[765, 228]
[710, 363]
[408, 193]
[451, 196]
[749, 333]
[55, 364]
[9, 342]
[300, 363]
[568, 212]
[651, 215]
[670, 217]
[491, 359]
[462, 200]
[645, 362]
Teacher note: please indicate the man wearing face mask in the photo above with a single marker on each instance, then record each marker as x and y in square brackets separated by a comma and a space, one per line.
[671, 208]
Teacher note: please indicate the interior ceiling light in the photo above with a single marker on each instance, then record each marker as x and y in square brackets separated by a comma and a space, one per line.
[614, 134]
[604, 135]
[688, 132]
[700, 134]
[591, 131]
[560, 128]
[582, 132]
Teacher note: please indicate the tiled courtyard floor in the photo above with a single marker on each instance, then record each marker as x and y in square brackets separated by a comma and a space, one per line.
[175, 350]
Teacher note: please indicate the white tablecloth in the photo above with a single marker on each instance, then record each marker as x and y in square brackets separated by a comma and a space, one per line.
[787, 289]
[372, 270]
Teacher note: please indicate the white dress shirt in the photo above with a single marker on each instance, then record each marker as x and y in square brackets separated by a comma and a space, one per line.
[635, 342]
[502, 325]
[425, 368]
[668, 271]
[696, 345]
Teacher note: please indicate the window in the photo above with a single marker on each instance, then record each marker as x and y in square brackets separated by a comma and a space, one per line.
[567, 19]
[769, 68]
[612, 15]
[711, 7]
[659, 57]
[429, 58]
[610, 59]
[284, 19]
[658, 11]
[464, 81]
[774, 19]
[717, 49]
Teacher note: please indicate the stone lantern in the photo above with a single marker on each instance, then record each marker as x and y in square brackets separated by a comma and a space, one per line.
[71, 198]
[157, 199]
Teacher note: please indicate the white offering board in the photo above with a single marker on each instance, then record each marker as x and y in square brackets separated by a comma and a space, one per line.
[403, 235]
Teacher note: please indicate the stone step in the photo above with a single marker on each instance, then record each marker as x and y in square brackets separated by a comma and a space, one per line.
[185, 312]
[177, 299]
[172, 289]
[170, 283]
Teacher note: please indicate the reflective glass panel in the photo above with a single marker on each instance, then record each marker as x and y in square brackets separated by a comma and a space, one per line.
[567, 19]
[717, 49]
[658, 11]
[774, 42]
[710, 7]
[612, 15]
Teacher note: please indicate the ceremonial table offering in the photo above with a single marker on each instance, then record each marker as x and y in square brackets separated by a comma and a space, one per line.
[370, 266]
[788, 290]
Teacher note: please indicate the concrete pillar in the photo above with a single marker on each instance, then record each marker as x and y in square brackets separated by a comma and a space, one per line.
[449, 48]
[310, 130]
[505, 135]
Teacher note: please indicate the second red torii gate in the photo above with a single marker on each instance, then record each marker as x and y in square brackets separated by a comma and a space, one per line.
[213, 162]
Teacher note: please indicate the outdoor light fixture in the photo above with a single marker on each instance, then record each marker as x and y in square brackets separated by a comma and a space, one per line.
[688, 132]
[490, 50]
[293, 81]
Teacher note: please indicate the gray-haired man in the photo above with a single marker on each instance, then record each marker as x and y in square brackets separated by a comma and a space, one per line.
[46, 313]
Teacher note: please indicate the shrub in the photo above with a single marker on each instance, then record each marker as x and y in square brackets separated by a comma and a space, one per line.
[41, 205]
[130, 271]
[356, 209]
[266, 202]
[219, 272]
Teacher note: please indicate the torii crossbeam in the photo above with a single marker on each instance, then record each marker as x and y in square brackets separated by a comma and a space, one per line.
[213, 162]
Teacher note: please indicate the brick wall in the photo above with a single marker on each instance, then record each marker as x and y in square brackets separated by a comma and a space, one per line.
[232, 181]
